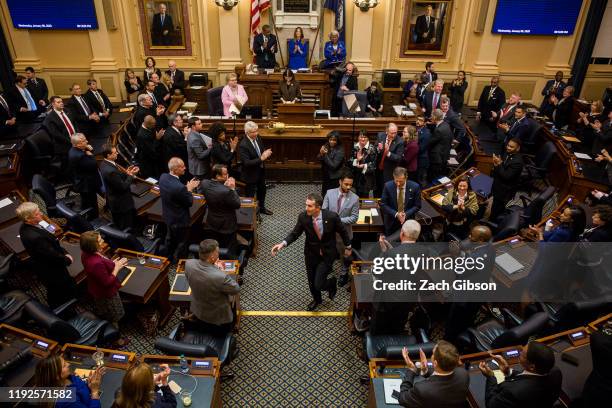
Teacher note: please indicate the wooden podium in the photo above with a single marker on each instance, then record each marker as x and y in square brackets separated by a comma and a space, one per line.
[296, 113]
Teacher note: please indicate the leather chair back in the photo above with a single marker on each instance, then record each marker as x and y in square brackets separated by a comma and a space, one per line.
[213, 97]
[45, 190]
[508, 227]
[120, 239]
[56, 328]
[533, 211]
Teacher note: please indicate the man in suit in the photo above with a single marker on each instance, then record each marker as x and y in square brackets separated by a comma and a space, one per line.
[118, 193]
[37, 87]
[22, 102]
[212, 291]
[538, 385]
[433, 98]
[86, 118]
[491, 100]
[553, 87]
[390, 149]
[363, 165]
[345, 203]
[84, 171]
[506, 113]
[320, 250]
[8, 120]
[265, 46]
[199, 147]
[439, 146]
[148, 148]
[453, 120]
[98, 101]
[60, 126]
[253, 157]
[177, 77]
[146, 107]
[401, 200]
[446, 385]
[429, 74]
[161, 93]
[506, 177]
[173, 142]
[598, 385]
[520, 128]
[176, 202]
[562, 110]
[424, 135]
[222, 201]
[149, 89]
[425, 27]
[48, 255]
[162, 27]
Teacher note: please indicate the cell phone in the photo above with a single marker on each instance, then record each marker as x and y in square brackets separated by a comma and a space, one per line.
[395, 394]
[366, 219]
[570, 359]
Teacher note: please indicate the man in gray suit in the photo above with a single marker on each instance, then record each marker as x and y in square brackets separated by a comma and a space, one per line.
[211, 291]
[198, 150]
[345, 203]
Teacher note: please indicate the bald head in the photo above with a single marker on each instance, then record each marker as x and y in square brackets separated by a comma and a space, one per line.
[480, 233]
[149, 122]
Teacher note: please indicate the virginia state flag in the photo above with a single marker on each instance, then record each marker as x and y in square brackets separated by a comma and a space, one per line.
[337, 6]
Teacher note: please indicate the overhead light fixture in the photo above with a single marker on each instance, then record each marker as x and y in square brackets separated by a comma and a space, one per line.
[365, 5]
[226, 4]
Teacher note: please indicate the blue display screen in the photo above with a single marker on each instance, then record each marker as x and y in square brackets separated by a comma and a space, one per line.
[539, 17]
[53, 14]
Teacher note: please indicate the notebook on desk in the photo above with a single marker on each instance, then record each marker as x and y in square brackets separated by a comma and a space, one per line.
[180, 286]
[139, 189]
[508, 263]
[391, 384]
[124, 274]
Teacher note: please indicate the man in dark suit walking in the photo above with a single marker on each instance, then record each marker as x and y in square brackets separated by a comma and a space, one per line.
[432, 99]
[60, 126]
[176, 202]
[37, 87]
[253, 157]
[446, 385]
[48, 255]
[99, 102]
[439, 146]
[390, 150]
[320, 227]
[265, 47]
[491, 100]
[506, 177]
[538, 385]
[425, 27]
[148, 148]
[162, 27]
[84, 171]
[222, 201]
[401, 200]
[118, 193]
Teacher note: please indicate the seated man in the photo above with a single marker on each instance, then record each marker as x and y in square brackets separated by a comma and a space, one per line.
[538, 385]
[335, 51]
[444, 386]
[177, 77]
[212, 291]
[401, 200]
[86, 118]
[22, 102]
[99, 102]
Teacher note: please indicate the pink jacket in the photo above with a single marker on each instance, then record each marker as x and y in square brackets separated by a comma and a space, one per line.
[227, 97]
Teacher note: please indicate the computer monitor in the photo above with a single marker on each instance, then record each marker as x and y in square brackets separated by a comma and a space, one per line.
[254, 111]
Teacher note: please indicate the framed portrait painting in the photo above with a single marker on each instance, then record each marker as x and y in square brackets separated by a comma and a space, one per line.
[426, 27]
[165, 27]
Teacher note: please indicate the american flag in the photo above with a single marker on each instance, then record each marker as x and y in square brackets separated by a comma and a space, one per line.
[257, 7]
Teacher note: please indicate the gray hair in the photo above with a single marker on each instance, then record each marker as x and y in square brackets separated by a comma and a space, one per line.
[437, 115]
[334, 32]
[390, 124]
[207, 247]
[250, 126]
[174, 162]
[439, 82]
[141, 98]
[411, 229]
[76, 138]
[26, 210]
[172, 118]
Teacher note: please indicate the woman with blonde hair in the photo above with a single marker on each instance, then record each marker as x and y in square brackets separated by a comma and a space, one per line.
[461, 204]
[133, 85]
[140, 388]
[233, 94]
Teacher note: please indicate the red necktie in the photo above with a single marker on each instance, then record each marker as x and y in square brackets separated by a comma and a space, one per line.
[381, 166]
[434, 105]
[67, 123]
[316, 228]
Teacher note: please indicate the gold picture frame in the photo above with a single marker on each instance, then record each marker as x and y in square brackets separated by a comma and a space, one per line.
[426, 28]
[165, 36]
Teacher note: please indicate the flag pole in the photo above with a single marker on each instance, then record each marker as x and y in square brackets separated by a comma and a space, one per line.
[315, 39]
[280, 51]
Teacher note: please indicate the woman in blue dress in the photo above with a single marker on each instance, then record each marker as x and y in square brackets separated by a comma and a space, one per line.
[298, 50]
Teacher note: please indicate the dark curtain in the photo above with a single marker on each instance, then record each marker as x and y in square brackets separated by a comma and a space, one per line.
[6, 62]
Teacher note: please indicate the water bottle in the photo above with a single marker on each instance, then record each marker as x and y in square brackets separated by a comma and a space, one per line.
[184, 365]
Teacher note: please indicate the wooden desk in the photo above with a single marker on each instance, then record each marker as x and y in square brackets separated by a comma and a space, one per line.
[597, 324]
[116, 362]
[376, 224]
[14, 338]
[391, 96]
[196, 211]
[71, 243]
[7, 212]
[525, 253]
[148, 283]
[294, 113]
[10, 173]
[198, 96]
[435, 195]
[359, 269]
[208, 391]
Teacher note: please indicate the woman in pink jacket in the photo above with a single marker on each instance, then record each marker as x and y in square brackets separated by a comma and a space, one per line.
[233, 93]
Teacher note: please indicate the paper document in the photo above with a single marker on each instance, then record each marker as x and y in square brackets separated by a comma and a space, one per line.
[374, 212]
[437, 198]
[508, 263]
[151, 180]
[412, 106]
[4, 202]
[196, 87]
[444, 180]
[234, 109]
[452, 161]
[583, 156]
[453, 152]
[571, 139]
[362, 215]
[391, 384]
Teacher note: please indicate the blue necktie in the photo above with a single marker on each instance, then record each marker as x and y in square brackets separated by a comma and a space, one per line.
[30, 100]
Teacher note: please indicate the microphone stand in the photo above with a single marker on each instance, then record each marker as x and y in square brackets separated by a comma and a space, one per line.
[234, 117]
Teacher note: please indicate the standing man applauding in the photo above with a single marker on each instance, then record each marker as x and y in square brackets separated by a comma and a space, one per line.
[321, 227]
[253, 157]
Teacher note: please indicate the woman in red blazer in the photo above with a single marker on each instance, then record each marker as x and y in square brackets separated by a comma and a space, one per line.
[411, 151]
[102, 282]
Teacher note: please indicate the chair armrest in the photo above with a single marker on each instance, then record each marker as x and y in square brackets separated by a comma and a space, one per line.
[531, 326]
[174, 347]
[511, 317]
[395, 352]
[61, 308]
[86, 211]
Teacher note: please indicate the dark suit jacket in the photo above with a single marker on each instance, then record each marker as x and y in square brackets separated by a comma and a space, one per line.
[265, 58]
[547, 90]
[38, 90]
[394, 159]
[455, 123]
[141, 113]
[428, 101]
[486, 104]
[421, 27]
[57, 130]
[84, 171]
[148, 153]
[176, 201]
[118, 194]
[160, 92]
[440, 144]
[508, 117]
[563, 112]
[524, 391]
[79, 115]
[45, 250]
[313, 246]
[95, 104]
[222, 203]
[157, 29]
[598, 386]
[448, 391]
[221, 154]
[364, 181]
[252, 166]
[434, 76]
[174, 145]
[4, 116]
[520, 130]
[179, 79]
[506, 176]
[332, 163]
[388, 204]
[16, 102]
